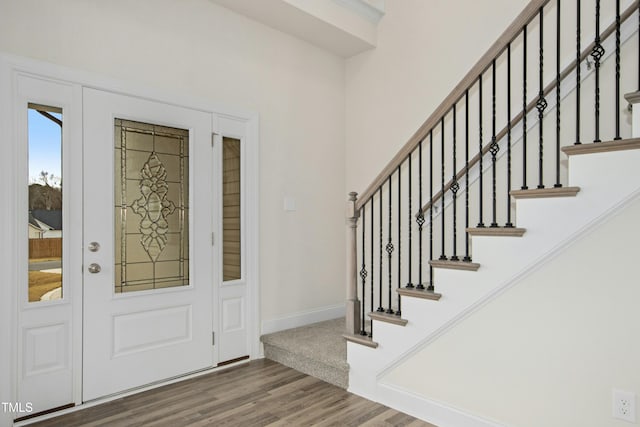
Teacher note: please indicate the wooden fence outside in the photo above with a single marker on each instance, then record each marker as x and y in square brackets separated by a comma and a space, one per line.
[45, 248]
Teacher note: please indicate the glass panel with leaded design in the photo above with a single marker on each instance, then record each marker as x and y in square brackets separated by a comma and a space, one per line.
[151, 206]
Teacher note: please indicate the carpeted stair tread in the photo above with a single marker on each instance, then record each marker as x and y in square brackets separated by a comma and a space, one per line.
[320, 341]
[318, 350]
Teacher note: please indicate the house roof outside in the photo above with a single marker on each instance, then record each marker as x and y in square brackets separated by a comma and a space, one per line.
[52, 219]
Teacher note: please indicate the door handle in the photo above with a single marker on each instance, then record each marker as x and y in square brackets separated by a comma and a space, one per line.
[94, 268]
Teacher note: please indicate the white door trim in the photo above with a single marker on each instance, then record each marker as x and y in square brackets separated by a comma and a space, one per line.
[12, 64]
[8, 306]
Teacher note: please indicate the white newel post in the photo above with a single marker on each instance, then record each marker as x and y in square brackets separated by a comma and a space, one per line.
[353, 305]
[634, 100]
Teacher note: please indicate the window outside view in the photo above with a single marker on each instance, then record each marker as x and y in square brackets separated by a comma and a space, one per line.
[45, 203]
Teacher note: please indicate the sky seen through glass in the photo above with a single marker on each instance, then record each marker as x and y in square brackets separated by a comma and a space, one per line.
[45, 147]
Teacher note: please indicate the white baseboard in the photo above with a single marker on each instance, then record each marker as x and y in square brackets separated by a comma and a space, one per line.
[429, 410]
[303, 318]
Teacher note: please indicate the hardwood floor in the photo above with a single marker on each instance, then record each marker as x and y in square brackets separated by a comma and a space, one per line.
[259, 393]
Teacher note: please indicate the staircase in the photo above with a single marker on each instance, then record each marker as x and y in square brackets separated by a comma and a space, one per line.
[550, 220]
[431, 242]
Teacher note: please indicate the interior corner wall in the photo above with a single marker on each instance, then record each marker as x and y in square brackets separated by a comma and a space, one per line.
[199, 49]
[424, 49]
[550, 350]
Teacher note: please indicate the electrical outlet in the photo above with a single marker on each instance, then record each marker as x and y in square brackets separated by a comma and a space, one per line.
[624, 405]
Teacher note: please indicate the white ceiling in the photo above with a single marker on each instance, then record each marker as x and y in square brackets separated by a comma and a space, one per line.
[344, 27]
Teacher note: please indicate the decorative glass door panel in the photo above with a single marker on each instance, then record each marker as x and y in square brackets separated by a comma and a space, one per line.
[151, 206]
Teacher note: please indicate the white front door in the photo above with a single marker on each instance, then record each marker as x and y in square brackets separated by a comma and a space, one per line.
[148, 254]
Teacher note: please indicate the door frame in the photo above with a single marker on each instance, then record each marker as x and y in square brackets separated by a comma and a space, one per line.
[10, 67]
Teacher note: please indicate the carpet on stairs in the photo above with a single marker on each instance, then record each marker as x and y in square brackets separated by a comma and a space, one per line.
[317, 350]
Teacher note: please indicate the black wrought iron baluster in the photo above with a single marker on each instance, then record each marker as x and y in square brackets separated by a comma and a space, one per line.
[480, 154]
[454, 191]
[597, 53]
[617, 137]
[578, 82]
[410, 228]
[420, 218]
[557, 184]
[363, 272]
[508, 224]
[389, 248]
[398, 312]
[524, 108]
[371, 266]
[380, 308]
[541, 105]
[466, 258]
[442, 194]
[494, 147]
[431, 285]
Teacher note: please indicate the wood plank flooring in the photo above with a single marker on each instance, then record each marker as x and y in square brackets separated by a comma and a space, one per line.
[259, 393]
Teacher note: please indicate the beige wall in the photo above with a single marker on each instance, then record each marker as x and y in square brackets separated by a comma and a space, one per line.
[197, 48]
[424, 49]
[549, 351]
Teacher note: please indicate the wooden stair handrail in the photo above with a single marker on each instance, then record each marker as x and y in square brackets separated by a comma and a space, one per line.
[526, 16]
[572, 66]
